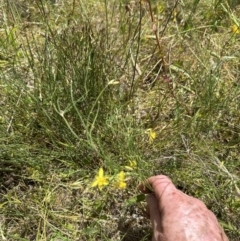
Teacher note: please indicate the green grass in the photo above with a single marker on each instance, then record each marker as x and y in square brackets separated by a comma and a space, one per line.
[81, 84]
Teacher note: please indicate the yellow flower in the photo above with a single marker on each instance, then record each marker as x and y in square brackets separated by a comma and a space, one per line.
[152, 135]
[132, 165]
[235, 28]
[100, 180]
[120, 182]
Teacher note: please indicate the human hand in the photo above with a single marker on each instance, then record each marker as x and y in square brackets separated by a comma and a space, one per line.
[176, 216]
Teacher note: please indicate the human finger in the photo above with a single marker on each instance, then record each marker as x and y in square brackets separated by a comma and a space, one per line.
[157, 185]
[155, 216]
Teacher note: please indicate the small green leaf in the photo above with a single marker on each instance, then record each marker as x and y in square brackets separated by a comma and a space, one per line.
[135, 199]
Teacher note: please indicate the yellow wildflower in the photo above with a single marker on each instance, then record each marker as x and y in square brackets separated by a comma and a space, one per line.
[120, 182]
[175, 13]
[132, 165]
[152, 135]
[100, 180]
[235, 28]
